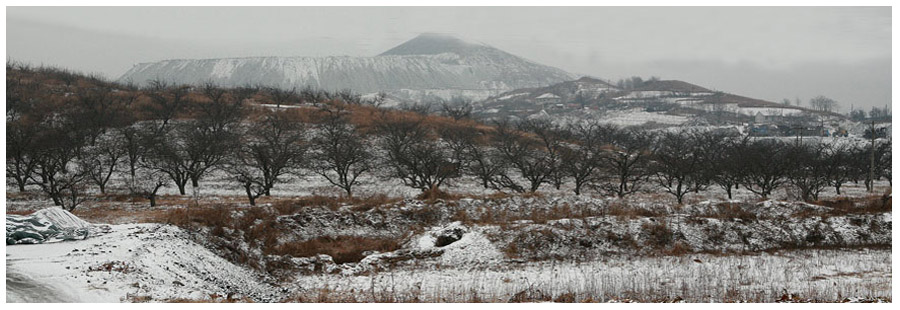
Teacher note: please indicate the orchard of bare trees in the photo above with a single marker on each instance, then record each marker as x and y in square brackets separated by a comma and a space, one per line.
[68, 138]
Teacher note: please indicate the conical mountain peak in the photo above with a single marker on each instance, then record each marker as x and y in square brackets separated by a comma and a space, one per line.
[435, 43]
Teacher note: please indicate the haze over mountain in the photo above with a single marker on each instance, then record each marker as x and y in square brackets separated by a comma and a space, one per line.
[840, 52]
[438, 64]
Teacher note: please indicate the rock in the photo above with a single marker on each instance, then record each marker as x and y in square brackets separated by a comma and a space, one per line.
[318, 264]
[449, 235]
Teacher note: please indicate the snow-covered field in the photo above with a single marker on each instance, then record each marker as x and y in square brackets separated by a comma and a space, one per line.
[136, 262]
[814, 275]
[637, 117]
[157, 262]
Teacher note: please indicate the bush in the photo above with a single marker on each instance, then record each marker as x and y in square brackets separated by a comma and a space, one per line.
[659, 235]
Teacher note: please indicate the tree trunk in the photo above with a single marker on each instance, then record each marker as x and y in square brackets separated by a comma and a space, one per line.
[870, 180]
[181, 187]
[56, 200]
[152, 195]
[21, 183]
[250, 195]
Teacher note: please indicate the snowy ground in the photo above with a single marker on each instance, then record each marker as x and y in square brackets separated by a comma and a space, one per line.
[816, 275]
[133, 262]
[137, 262]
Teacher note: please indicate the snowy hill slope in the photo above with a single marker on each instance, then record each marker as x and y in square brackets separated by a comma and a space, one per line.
[134, 262]
[425, 63]
[583, 97]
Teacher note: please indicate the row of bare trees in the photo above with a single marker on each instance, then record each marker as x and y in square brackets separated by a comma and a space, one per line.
[619, 161]
[181, 134]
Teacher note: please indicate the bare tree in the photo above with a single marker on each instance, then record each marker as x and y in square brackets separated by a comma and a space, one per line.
[458, 108]
[583, 160]
[272, 147]
[838, 165]
[884, 161]
[726, 164]
[148, 184]
[413, 156]
[240, 166]
[132, 146]
[477, 158]
[807, 169]
[416, 107]
[550, 136]
[628, 161]
[348, 96]
[376, 100]
[57, 171]
[523, 154]
[102, 158]
[340, 153]
[766, 166]
[678, 162]
[166, 102]
[206, 140]
[97, 110]
[281, 96]
[822, 103]
[20, 148]
[164, 153]
[309, 94]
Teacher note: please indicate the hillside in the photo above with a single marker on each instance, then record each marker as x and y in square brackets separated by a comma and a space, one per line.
[428, 64]
[594, 98]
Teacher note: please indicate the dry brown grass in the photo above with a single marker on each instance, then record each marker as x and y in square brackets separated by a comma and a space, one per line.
[343, 249]
[859, 205]
[359, 204]
[623, 209]
[729, 210]
[209, 216]
[115, 214]
[257, 226]
[19, 212]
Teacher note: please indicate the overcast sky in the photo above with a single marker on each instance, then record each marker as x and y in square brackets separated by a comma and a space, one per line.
[767, 53]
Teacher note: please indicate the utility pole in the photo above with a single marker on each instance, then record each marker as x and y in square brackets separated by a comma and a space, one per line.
[870, 181]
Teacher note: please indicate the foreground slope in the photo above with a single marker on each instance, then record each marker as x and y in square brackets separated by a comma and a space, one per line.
[133, 262]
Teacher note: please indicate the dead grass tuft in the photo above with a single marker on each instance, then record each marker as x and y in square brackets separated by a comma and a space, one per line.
[343, 249]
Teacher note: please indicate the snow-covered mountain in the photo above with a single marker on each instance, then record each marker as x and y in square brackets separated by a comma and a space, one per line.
[436, 64]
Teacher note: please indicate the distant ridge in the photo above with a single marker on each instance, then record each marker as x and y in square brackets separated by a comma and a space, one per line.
[439, 64]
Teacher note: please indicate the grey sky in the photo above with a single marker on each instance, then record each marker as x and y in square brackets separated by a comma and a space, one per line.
[768, 53]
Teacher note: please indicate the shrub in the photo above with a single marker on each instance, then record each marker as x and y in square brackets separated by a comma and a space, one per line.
[658, 234]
